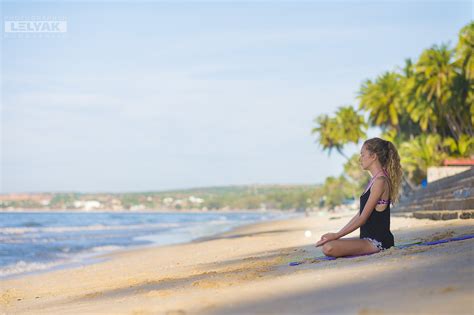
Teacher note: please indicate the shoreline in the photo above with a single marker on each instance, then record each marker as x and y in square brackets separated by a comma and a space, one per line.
[247, 268]
[88, 258]
[143, 211]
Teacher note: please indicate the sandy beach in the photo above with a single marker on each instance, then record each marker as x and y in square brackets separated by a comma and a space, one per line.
[246, 271]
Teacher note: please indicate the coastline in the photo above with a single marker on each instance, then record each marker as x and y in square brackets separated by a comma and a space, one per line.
[99, 253]
[247, 268]
[144, 211]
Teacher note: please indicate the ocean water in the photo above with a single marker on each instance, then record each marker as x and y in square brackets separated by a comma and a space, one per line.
[32, 242]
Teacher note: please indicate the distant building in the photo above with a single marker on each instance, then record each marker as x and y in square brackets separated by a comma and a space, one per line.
[167, 201]
[45, 202]
[195, 200]
[87, 204]
[451, 167]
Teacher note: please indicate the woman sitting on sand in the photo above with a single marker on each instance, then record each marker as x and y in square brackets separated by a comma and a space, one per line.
[381, 159]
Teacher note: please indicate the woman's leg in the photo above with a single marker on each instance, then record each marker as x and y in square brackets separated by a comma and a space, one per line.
[348, 247]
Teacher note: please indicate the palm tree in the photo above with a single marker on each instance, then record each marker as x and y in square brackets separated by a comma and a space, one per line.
[408, 70]
[408, 128]
[431, 92]
[352, 125]
[465, 50]
[464, 147]
[347, 126]
[420, 153]
[326, 132]
[420, 110]
[465, 62]
[382, 99]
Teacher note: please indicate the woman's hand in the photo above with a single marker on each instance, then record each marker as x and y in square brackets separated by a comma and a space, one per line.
[326, 238]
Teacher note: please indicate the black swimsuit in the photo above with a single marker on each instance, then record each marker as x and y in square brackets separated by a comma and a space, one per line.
[377, 226]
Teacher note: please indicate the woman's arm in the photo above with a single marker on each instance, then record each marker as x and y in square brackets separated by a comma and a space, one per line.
[351, 221]
[353, 225]
[333, 236]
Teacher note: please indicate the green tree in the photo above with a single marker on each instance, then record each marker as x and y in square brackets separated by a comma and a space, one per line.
[348, 126]
[431, 92]
[382, 100]
[336, 190]
[420, 153]
[356, 175]
[326, 132]
[463, 147]
[352, 125]
[465, 51]
[465, 61]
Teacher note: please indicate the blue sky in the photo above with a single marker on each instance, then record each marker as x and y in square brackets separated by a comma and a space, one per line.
[164, 95]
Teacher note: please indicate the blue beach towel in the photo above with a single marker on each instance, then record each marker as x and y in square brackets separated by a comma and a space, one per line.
[459, 238]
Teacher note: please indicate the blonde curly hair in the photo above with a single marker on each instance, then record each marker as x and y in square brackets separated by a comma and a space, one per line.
[390, 161]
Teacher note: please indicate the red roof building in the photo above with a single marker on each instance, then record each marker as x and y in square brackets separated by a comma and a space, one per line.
[458, 162]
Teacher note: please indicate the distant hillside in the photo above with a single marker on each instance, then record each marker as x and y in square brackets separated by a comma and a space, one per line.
[281, 197]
